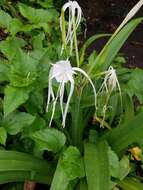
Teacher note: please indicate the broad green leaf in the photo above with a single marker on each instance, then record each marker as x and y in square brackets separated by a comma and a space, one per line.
[46, 3]
[5, 19]
[134, 85]
[72, 163]
[124, 167]
[23, 70]
[37, 15]
[49, 139]
[10, 46]
[37, 41]
[35, 102]
[130, 184]
[15, 122]
[126, 134]
[15, 26]
[4, 71]
[97, 165]
[111, 49]
[38, 124]
[3, 135]
[13, 98]
[60, 180]
[114, 163]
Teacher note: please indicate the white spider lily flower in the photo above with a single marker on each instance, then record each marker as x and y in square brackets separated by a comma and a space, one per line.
[110, 81]
[75, 14]
[63, 72]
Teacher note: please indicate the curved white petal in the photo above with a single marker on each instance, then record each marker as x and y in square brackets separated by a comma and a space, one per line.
[62, 96]
[75, 14]
[68, 101]
[86, 75]
[54, 105]
[50, 90]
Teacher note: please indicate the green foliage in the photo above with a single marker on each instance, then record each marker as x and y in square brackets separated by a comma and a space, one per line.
[11, 167]
[3, 135]
[16, 121]
[91, 152]
[126, 134]
[12, 102]
[97, 165]
[49, 139]
[70, 166]
[110, 50]
[72, 163]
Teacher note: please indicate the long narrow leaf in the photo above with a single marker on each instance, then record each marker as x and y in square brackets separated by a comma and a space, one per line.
[60, 180]
[16, 161]
[126, 134]
[97, 166]
[111, 49]
[21, 176]
[88, 43]
[130, 184]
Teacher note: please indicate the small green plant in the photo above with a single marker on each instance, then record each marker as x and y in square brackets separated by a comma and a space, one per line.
[67, 119]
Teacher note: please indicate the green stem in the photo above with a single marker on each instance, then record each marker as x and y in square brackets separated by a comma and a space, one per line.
[75, 42]
[63, 32]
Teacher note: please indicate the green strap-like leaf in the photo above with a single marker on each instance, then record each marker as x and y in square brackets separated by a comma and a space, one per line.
[110, 50]
[97, 166]
[18, 167]
[60, 180]
[130, 184]
[21, 176]
[126, 134]
[88, 43]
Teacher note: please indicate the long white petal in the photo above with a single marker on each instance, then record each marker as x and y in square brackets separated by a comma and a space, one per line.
[50, 90]
[62, 96]
[85, 74]
[54, 106]
[68, 101]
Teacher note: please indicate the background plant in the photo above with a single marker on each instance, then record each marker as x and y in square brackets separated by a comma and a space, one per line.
[82, 155]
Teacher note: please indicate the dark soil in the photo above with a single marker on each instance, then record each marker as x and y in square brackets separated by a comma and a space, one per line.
[104, 16]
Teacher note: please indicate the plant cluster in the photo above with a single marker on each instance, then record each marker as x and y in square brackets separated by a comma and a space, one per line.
[68, 120]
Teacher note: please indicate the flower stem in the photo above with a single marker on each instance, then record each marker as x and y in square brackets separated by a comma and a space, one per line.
[75, 42]
[63, 31]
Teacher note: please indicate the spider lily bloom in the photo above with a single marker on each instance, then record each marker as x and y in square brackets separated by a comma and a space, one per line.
[63, 72]
[109, 84]
[110, 81]
[75, 14]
